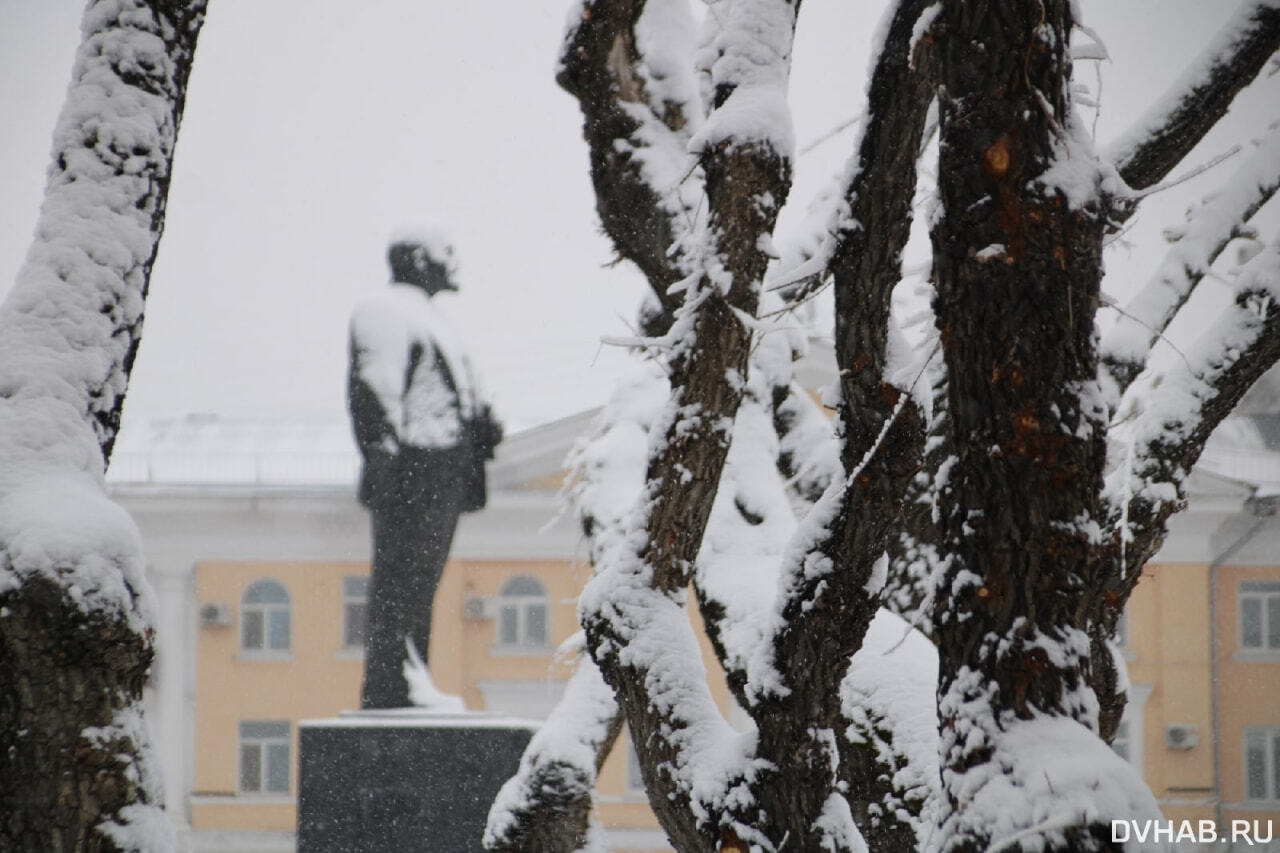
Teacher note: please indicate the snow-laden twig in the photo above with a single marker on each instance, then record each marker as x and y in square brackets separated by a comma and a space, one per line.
[1210, 226]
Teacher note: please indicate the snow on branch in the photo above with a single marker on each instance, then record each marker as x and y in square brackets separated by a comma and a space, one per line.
[77, 639]
[630, 66]
[71, 324]
[633, 609]
[1178, 408]
[888, 699]
[849, 527]
[1159, 140]
[1209, 227]
[547, 805]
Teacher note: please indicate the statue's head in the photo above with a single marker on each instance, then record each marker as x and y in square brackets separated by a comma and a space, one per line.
[424, 258]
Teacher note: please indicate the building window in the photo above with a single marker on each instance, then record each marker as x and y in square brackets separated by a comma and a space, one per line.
[1261, 764]
[1260, 616]
[355, 606]
[264, 618]
[522, 614]
[264, 757]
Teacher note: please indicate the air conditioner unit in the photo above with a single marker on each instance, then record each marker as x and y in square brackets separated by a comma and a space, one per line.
[215, 615]
[476, 608]
[1181, 736]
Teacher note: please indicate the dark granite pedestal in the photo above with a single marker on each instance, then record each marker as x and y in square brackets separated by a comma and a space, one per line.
[403, 780]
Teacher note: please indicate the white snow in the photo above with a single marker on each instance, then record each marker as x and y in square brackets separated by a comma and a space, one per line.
[1196, 74]
[66, 332]
[384, 328]
[750, 51]
[888, 695]
[921, 28]
[1209, 226]
[1165, 406]
[422, 688]
[571, 736]
[1047, 775]
[144, 826]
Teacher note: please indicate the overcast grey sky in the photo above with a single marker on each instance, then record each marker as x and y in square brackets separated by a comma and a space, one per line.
[311, 132]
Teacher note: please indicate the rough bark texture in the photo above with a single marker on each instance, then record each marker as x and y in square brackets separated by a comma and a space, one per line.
[597, 68]
[558, 818]
[1017, 447]
[74, 761]
[826, 615]
[67, 671]
[687, 469]
[1017, 269]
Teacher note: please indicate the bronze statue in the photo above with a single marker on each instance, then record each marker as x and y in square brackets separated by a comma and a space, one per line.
[425, 432]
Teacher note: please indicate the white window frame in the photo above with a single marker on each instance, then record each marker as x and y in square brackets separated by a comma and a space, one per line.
[270, 612]
[353, 599]
[263, 744]
[522, 604]
[1261, 591]
[1270, 736]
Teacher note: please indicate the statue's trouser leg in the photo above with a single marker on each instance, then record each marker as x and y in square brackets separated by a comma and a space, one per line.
[408, 560]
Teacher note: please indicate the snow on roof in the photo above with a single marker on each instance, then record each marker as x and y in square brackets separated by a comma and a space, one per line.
[205, 449]
[201, 449]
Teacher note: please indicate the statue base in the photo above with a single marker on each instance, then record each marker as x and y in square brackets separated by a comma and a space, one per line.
[407, 779]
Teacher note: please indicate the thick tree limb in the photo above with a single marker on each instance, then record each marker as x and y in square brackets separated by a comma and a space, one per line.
[1017, 265]
[547, 805]
[830, 590]
[1179, 119]
[626, 133]
[632, 610]
[642, 211]
[76, 645]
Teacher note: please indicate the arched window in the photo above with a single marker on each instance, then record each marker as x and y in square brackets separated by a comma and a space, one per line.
[522, 614]
[264, 618]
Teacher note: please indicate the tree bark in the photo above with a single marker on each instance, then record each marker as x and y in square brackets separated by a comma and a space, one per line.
[1017, 261]
[75, 639]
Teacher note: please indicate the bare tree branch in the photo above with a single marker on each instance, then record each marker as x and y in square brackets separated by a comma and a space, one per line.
[1166, 133]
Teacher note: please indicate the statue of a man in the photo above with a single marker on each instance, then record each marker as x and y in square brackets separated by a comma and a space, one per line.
[425, 432]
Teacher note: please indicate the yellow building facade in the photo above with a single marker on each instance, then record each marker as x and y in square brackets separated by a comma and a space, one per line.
[497, 627]
[262, 589]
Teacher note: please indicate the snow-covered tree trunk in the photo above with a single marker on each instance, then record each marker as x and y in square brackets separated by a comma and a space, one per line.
[1002, 539]
[1017, 264]
[75, 608]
